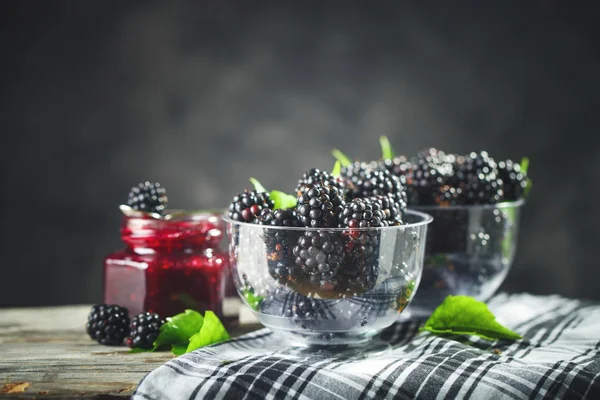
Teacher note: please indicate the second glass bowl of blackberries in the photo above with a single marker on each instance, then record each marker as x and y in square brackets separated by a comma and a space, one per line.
[333, 263]
[475, 202]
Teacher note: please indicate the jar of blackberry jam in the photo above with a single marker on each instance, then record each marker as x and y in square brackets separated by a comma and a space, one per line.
[168, 265]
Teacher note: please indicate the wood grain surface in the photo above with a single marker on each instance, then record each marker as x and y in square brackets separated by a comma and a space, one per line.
[45, 353]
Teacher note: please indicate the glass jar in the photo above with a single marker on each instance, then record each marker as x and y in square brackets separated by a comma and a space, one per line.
[168, 266]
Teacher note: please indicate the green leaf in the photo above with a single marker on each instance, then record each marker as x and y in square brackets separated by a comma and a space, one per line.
[527, 188]
[136, 350]
[386, 148]
[212, 332]
[463, 315]
[341, 157]
[524, 165]
[179, 329]
[179, 349]
[252, 299]
[282, 200]
[257, 185]
[337, 170]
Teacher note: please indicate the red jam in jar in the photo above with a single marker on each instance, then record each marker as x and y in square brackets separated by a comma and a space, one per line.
[168, 265]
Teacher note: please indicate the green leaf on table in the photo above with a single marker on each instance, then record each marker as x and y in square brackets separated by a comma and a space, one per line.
[463, 315]
[257, 185]
[337, 170]
[179, 329]
[179, 349]
[253, 300]
[341, 157]
[386, 148]
[212, 332]
[136, 350]
[282, 200]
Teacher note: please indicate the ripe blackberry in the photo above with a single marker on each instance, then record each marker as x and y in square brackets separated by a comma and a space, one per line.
[428, 173]
[306, 312]
[246, 206]
[319, 206]
[148, 197]
[320, 255]
[378, 182]
[391, 209]
[357, 171]
[108, 324]
[279, 242]
[361, 263]
[363, 213]
[315, 176]
[144, 330]
[477, 177]
[514, 181]
[398, 166]
[448, 196]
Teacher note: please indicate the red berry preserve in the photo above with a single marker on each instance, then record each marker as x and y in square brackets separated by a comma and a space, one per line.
[168, 266]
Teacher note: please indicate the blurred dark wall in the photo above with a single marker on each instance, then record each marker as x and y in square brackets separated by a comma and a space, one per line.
[97, 96]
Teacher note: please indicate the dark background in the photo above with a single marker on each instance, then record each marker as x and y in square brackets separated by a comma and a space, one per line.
[96, 96]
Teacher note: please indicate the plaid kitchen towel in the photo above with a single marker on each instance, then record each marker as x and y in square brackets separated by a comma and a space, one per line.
[558, 358]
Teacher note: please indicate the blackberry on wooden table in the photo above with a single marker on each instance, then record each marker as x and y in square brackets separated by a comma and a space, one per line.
[144, 329]
[108, 324]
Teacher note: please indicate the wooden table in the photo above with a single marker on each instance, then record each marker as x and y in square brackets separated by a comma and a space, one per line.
[45, 352]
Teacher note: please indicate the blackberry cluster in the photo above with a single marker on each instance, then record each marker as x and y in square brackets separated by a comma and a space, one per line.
[379, 182]
[280, 242]
[356, 171]
[246, 206]
[477, 177]
[428, 173]
[319, 206]
[514, 180]
[148, 197]
[437, 178]
[144, 330]
[320, 255]
[108, 324]
[306, 312]
[315, 176]
[319, 260]
[364, 213]
[361, 267]
[392, 210]
[399, 166]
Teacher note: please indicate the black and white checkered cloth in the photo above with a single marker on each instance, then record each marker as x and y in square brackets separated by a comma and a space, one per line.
[559, 358]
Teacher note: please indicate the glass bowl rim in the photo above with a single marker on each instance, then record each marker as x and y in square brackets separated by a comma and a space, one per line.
[425, 220]
[502, 205]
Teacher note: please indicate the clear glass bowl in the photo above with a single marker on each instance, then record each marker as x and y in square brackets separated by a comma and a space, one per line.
[378, 272]
[470, 250]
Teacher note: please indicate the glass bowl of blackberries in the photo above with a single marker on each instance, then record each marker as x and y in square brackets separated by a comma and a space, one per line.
[475, 202]
[333, 263]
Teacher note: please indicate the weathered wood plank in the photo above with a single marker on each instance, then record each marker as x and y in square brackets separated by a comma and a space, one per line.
[48, 348]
